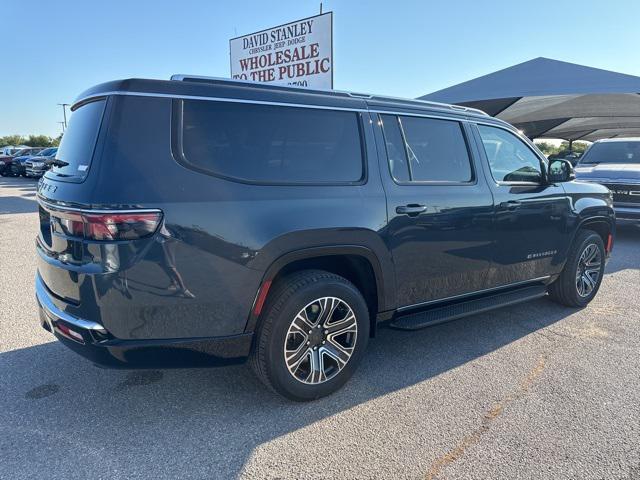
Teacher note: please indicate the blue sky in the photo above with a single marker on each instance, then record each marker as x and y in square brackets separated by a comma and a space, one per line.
[54, 50]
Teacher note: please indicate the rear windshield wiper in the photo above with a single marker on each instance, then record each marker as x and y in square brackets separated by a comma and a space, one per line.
[59, 163]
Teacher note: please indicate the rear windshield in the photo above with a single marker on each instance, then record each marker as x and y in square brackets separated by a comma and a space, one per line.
[79, 140]
[612, 152]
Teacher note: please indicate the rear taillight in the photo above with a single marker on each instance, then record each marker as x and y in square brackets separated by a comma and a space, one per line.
[105, 226]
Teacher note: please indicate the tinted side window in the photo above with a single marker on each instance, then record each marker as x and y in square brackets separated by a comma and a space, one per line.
[510, 159]
[271, 144]
[437, 150]
[396, 152]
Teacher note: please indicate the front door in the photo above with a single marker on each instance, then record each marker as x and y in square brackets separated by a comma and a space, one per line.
[531, 215]
[439, 210]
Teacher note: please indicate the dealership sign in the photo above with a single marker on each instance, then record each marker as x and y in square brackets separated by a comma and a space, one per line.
[299, 53]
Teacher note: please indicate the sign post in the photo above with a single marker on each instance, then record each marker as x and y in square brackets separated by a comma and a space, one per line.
[299, 53]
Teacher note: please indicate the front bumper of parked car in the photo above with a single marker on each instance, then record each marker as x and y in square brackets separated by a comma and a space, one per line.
[36, 169]
[627, 214]
[625, 194]
[94, 342]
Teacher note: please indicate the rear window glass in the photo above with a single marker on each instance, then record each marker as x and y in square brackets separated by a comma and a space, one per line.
[270, 144]
[79, 140]
[612, 152]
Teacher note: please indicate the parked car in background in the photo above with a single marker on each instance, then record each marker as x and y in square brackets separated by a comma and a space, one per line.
[18, 165]
[11, 150]
[7, 166]
[615, 163]
[207, 221]
[573, 158]
[38, 164]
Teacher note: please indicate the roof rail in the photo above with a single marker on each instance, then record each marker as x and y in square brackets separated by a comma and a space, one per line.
[366, 96]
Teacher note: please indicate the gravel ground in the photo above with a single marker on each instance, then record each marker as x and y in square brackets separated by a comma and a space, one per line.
[531, 391]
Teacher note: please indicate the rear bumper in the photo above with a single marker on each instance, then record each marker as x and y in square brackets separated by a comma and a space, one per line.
[91, 340]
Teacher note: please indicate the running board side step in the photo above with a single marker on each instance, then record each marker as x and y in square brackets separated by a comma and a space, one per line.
[436, 315]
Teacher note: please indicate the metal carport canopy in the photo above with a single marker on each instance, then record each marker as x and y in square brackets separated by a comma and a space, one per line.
[548, 98]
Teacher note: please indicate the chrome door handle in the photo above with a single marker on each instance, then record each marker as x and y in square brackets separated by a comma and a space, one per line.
[412, 209]
[510, 205]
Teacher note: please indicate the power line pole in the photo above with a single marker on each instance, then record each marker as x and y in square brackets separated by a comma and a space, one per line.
[63, 126]
[64, 113]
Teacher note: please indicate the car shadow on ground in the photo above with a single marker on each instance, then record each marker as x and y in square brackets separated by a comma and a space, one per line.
[624, 249]
[213, 419]
[18, 195]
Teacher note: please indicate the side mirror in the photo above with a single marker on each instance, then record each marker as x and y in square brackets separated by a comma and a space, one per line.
[560, 170]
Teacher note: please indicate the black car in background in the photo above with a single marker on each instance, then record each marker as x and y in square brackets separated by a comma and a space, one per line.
[615, 163]
[36, 165]
[200, 221]
[13, 164]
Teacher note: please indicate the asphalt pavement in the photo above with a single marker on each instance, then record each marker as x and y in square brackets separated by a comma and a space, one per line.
[531, 391]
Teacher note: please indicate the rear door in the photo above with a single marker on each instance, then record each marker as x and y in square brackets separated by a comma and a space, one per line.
[439, 210]
[531, 216]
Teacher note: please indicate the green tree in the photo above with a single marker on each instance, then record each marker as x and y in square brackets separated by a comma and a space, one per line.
[39, 141]
[547, 148]
[31, 140]
[12, 140]
[576, 147]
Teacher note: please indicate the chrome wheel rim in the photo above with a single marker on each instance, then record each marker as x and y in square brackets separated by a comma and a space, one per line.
[588, 271]
[320, 340]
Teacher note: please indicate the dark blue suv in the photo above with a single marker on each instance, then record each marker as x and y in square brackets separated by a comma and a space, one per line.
[202, 222]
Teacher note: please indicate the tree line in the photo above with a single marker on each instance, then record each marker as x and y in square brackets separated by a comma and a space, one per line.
[30, 140]
[563, 149]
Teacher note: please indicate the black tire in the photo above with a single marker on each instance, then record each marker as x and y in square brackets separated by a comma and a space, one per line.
[3, 173]
[289, 297]
[565, 289]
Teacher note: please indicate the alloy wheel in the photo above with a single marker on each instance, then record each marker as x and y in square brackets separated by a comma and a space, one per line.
[588, 271]
[320, 340]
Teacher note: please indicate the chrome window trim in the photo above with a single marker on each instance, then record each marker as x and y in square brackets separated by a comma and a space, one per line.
[216, 99]
[509, 128]
[49, 206]
[456, 115]
[452, 118]
[469, 294]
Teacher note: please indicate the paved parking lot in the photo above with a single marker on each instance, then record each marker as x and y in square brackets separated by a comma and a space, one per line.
[532, 391]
